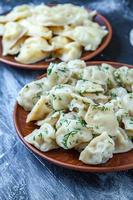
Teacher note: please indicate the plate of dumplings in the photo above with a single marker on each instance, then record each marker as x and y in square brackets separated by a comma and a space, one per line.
[31, 36]
[79, 115]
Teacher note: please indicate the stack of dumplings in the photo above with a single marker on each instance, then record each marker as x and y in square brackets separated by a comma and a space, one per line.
[86, 108]
[32, 33]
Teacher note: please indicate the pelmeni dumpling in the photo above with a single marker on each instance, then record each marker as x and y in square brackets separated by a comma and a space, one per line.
[98, 151]
[76, 67]
[128, 122]
[85, 86]
[124, 76]
[118, 92]
[12, 33]
[88, 37]
[80, 147]
[18, 12]
[102, 119]
[51, 118]
[95, 74]
[43, 138]
[122, 142]
[127, 102]
[70, 51]
[60, 96]
[109, 71]
[33, 50]
[40, 110]
[31, 93]
[96, 97]
[79, 107]
[72, 133]
[58, 73]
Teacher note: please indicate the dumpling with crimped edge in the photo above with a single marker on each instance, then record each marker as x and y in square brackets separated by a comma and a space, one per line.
[35, 30]
[58, 73]
[40, 110]
[12, 33]
[33, 50]
[18, 12]
[60, 96]
[102, 119]
[15, 49]
[98, 151]
[70, 51]
[51, 118]
[58, 42]
[88, 37]
[31, 93]
[122, 142]
[85, 86]
[43, 138]
[72, 132]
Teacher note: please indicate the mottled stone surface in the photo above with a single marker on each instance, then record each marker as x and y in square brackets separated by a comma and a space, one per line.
[25, 176]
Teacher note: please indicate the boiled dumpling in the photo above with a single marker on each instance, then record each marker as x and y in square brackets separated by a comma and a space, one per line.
[15, 49]
[102, 119]
[40, 110]
[127, 102]
[31, 93]
[98, 151]
[51, 119]
[72, 133]
[60, 96]
[89, 37]
[76, 67]
[124, 76]
[70, 51]
[122, 142]
[18, 12]
[36, 30]
[118, 92]
[43, 138]
[12, 33]
[33, 50]
[128, 122]
[58, 42]
[85, 86]
[79, 107]
[58, 73]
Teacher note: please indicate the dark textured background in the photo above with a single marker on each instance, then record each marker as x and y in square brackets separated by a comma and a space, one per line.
[23, 175]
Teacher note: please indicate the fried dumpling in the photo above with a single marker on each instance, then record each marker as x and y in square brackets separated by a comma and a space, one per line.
[33, 50]
[43, 138]
[98, 151]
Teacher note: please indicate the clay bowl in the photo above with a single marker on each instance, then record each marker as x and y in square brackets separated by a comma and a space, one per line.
[69, 158]
[86, 55]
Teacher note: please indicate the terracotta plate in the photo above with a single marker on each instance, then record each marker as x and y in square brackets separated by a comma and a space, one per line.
[86, 55]
[69, 159]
